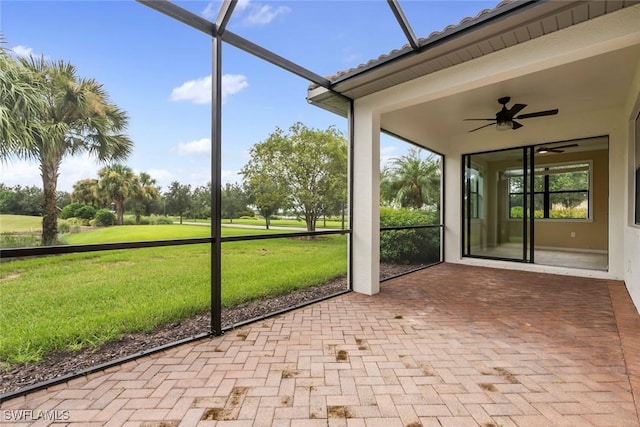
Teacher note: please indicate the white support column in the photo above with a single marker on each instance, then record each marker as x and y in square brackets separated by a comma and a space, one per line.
[366, 202]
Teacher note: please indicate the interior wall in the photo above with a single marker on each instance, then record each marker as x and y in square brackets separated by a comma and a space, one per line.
[589, 234]
[583, 125]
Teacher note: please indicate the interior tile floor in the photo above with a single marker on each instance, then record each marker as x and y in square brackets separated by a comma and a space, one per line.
[549, 256]
[450, 345]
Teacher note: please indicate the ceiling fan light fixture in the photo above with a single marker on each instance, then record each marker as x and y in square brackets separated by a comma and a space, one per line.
[543, 150]
[504, 125]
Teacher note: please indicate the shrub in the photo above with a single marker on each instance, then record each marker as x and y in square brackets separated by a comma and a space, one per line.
[17, 240]
[128, 220]
[64, 226]
[163, 220]
[69, 226]
[86, 212]
[70, 211]
[413, 245]
[105, 218]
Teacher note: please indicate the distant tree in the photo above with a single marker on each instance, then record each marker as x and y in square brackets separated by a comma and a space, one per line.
[412, 181]
[61, 115]
[86, 191]
[562, 182]
[178, 199]
[201, 201]
[8, 200]
[117, 182]
[234, 201]
[19, 200]
[63, 198]
[263, 179]
[306, 168]
[144, 192]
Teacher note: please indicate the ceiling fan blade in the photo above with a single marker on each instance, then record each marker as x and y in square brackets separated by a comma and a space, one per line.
[538, 114]
[488, 120]
[473, 130]
[563, 146]
[516, 109]
[516, 125]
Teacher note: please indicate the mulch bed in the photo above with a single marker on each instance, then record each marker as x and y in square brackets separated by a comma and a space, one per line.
[59, 363]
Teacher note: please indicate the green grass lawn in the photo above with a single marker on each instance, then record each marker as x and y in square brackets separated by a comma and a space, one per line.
[83, 300]
[19, 223]
[284, 223]
[131, 233]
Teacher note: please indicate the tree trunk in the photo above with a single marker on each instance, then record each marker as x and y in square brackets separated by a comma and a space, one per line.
[120, 210]
[267, 221]
[310, 219]
[49, 172]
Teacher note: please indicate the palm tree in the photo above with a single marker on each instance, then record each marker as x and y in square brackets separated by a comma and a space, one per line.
[412, 181]
[20, 101]
[144, 193]
[86, 191]
[74, 115]
[117, 182]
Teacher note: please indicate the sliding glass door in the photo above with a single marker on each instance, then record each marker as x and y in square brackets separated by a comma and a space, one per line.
[498, 204]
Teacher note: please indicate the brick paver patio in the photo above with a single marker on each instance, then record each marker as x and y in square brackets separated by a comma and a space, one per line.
[450, 345]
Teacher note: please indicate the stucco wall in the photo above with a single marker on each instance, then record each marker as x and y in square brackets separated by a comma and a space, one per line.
[631, 230]
[500, 70]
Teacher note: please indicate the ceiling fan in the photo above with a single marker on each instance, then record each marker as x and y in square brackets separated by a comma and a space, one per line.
[504, 119]
[558, 149]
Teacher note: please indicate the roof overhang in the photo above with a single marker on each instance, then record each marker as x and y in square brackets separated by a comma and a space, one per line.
[508, 25]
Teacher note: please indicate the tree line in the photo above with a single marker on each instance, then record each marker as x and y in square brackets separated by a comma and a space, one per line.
[48, 113]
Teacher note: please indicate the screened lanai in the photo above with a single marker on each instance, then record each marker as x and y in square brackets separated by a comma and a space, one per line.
[416, 46]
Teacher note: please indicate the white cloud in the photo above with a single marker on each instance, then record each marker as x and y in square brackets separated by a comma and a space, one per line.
[72, 169]
[22, 50]
[162, 176]
[199, 146]
[242, 4]
[199, 90]
[232, 84]
[20, 172]
[387, 152]
[231, 177]
[264, 14]
[212, 8]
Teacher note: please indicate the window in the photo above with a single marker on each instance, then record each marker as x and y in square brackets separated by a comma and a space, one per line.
[476, 190]
[560, 191]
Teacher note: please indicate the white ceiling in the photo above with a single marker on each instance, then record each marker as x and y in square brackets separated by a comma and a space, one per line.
[592, 84]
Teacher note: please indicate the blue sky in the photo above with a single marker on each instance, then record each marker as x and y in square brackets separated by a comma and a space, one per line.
[159, 71]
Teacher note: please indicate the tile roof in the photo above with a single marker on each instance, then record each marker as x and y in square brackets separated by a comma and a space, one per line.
[449, 29]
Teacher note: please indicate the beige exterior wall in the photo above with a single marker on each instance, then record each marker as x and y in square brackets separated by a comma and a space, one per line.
[631, 231]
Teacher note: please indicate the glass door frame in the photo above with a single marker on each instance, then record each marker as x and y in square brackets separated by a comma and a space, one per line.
[528, 207]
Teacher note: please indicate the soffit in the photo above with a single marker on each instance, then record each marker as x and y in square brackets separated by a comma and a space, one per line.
[488, 32]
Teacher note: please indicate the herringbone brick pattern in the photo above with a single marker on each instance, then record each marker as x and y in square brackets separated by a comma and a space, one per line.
[451, 345]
